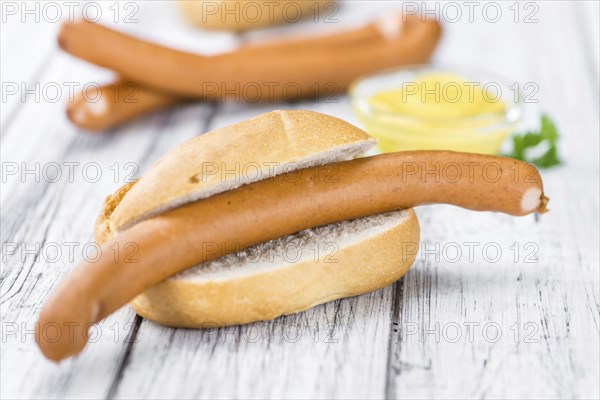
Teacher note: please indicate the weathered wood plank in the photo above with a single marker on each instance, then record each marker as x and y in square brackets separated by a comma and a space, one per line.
[376, 345]
[56, 215]
[47, 224]
[546, 312]
[588, 14]
[294, 356]
[23, 59]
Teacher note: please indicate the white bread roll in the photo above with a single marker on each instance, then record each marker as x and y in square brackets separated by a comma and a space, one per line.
[226, 158]
[242, 15]
[285, 275]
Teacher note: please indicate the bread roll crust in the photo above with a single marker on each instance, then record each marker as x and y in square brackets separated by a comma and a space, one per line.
[297, 138]
[371, 260]
[229, 157]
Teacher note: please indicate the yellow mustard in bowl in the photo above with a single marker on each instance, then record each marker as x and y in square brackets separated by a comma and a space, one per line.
[431, 108]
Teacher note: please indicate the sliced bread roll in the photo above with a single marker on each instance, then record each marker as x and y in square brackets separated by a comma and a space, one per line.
[287, 275]
[284, 275]
[226, 158]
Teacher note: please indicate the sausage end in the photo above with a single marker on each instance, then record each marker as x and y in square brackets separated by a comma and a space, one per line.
[543, 207]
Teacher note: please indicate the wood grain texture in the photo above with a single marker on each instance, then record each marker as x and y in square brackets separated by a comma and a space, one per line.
[545, 313]
[460, 324]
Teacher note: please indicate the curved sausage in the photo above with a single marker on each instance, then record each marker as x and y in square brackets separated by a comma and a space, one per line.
[261, 211]
[286, 71]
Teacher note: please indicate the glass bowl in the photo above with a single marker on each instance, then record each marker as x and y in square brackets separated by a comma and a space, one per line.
[428, 119]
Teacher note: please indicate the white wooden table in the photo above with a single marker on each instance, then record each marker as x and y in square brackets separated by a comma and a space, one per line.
[524, 324]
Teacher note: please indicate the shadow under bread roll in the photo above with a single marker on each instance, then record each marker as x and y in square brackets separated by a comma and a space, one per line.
[189, 209]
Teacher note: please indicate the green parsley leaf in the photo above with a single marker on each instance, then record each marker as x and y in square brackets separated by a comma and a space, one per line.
[547, 135]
